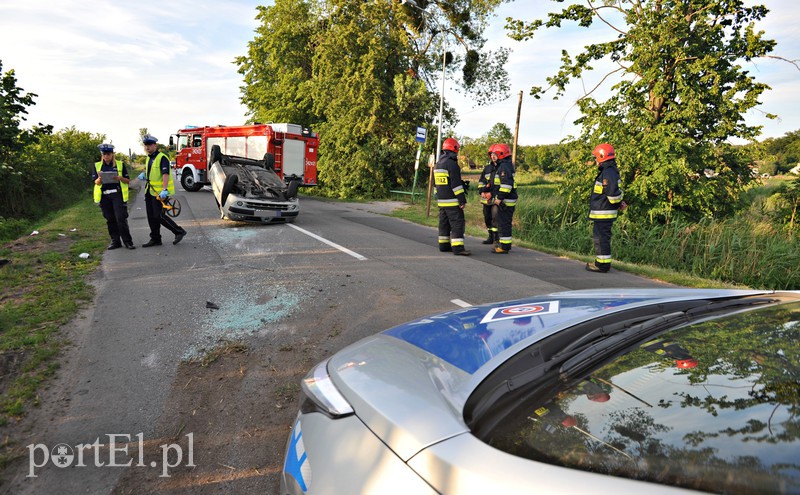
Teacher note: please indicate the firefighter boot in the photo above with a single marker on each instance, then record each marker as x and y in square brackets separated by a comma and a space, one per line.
[490, 239]
[461, 251]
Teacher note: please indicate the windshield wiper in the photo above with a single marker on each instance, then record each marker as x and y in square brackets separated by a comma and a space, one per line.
[601, 348]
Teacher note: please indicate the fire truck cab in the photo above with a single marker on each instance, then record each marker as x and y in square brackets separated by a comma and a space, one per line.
[291, 149]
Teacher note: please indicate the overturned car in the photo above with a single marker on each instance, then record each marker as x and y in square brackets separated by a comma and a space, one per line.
[248, 190]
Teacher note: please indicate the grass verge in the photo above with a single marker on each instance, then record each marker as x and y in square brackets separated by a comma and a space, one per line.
[418, 213]
[43, 284]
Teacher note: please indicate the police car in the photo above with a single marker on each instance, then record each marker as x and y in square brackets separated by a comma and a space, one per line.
[603, 391]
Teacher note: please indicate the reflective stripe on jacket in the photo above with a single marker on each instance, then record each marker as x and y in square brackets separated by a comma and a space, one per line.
[447, 177]
[606, 194]
[98, 190]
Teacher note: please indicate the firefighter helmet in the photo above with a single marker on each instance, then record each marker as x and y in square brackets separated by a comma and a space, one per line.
[604, 152]
[106, 148]
[451, 145]
[500, 149]
[686, 364]
[569, 421]
[599, 397]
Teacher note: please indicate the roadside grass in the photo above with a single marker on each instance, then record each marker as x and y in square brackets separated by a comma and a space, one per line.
[42, 287]
[571, 241]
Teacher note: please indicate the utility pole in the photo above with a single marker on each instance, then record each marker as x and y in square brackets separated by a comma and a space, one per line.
[516, 132]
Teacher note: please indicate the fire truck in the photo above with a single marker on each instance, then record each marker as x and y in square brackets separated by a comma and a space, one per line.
[290, 150]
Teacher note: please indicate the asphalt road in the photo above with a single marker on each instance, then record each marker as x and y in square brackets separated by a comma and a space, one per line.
[340, 273]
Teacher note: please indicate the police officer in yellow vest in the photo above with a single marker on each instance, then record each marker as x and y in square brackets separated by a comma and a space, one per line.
[158, 185]
[111, 180]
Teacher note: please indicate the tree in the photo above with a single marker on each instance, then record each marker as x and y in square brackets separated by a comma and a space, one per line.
[13, 141]
[681, 95]
[361, 73]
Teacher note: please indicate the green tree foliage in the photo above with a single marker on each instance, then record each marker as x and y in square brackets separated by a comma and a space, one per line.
[362, 74]
[784, 151]
[13, 141]
[56, 171]
[681, 94]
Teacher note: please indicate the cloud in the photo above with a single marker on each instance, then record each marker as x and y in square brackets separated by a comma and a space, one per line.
[113, 67]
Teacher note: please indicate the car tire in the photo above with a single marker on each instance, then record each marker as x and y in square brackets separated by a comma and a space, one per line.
[230, 183]
[188, 182]
[216, 155]
[269, 161]
[291, 190]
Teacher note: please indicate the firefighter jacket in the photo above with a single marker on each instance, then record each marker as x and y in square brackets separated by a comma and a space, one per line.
[606, 195]
[484, 181]
[500, 181]
[98, 190]
[155, 173]
[447, 177]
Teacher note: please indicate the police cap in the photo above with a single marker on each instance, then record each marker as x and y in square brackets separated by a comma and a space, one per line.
[149, 139]
[106, 148]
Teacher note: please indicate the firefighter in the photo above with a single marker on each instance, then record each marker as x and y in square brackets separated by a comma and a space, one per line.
[159, 186]
[666, 348]
[451, 198]
[604, 204]
[113, 197]
[485, 182]
[502, 194]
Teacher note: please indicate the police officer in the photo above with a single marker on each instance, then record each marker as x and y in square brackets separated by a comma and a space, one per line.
[503, 194]
[485, 183]
[451, 199]
[604, 203]
[158, 186]
[113, 196]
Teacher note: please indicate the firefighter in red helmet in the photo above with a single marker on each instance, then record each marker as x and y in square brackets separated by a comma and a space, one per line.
[500, 193]
[672, 350]
[451, 198]
[485, 183]
[604, 205]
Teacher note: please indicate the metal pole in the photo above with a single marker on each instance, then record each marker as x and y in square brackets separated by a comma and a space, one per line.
[441, 98]
[416, 172]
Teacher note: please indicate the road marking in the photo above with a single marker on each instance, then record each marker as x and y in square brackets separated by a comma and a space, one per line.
[329, 243]
[459, 302]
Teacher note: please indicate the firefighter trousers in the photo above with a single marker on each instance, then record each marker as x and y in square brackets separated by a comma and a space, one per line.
[505, 214]
[451, 228]
[601, 235]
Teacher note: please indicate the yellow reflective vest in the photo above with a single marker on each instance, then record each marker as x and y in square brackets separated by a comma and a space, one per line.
[98, 190]
[155, 182]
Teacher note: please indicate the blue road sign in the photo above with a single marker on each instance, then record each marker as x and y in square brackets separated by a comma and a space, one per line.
[422, 134]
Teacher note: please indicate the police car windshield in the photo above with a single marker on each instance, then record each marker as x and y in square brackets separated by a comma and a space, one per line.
[712, 405]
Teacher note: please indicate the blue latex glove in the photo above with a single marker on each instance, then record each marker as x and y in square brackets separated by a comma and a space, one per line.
[141, 176]
[163, 194]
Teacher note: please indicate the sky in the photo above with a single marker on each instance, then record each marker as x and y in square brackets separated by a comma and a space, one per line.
[112, 68]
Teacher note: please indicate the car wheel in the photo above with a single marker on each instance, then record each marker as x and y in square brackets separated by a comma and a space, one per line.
[269, 161]
[230, 183]
[291, 191]
[216, 155]
[188, 182]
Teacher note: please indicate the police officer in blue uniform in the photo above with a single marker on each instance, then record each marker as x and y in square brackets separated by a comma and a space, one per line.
[158, 186]
[112, 196]
[604, 204]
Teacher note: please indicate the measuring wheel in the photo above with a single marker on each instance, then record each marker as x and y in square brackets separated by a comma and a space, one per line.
[172, 207]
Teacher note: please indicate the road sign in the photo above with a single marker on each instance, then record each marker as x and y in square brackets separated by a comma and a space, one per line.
[422, 134]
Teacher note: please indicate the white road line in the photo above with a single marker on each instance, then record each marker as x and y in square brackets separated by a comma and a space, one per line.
[329, 243]
[459, 302]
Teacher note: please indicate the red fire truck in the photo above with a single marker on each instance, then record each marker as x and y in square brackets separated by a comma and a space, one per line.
[291, 148]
